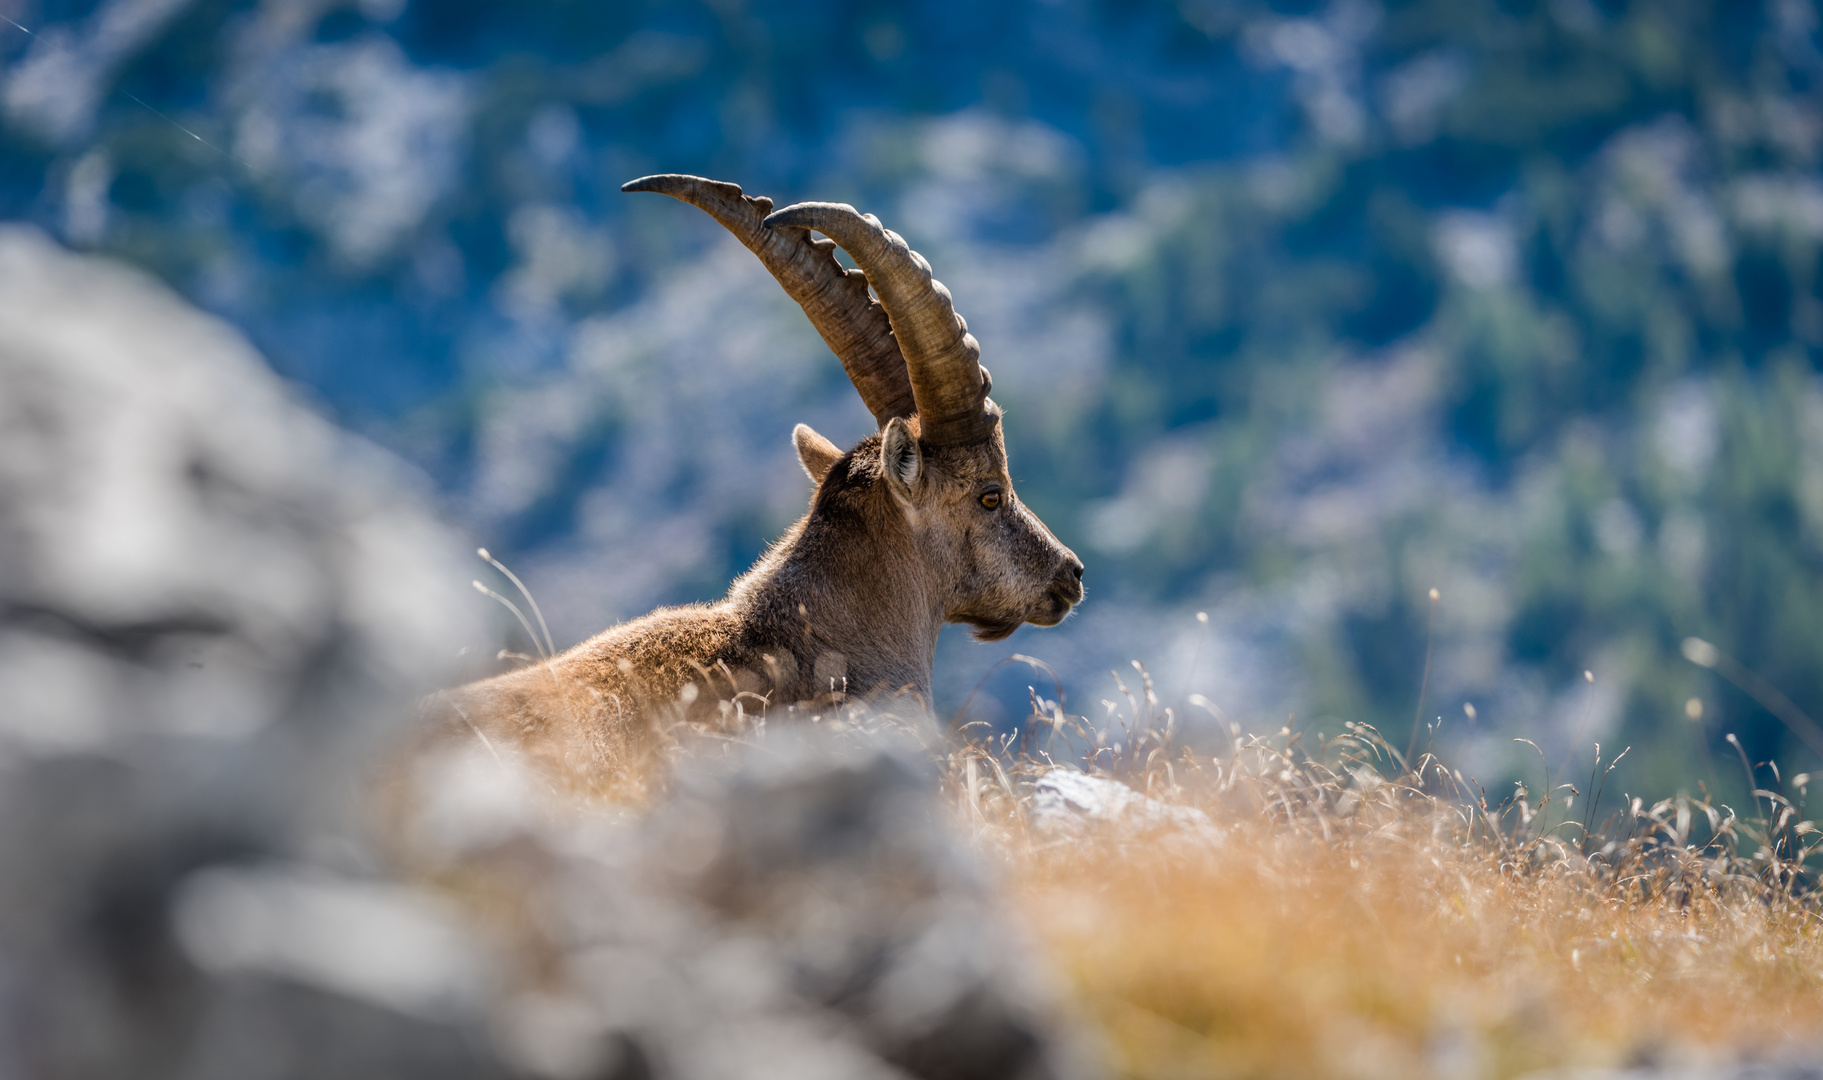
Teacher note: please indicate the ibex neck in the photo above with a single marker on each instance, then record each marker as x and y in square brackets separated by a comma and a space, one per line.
[855, 610]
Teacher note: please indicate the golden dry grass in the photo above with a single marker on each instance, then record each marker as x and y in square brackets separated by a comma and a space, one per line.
[1363, 918]
[1352, 926]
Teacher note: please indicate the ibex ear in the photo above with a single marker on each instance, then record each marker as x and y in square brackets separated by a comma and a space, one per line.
[900, 459]
[817, 454]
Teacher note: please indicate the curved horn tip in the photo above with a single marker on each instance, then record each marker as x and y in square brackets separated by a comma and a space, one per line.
[672, 183]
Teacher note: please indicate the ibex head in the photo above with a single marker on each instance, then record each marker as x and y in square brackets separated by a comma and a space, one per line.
[932, 484]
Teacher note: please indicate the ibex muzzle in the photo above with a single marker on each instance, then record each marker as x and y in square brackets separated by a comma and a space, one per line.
[916, 526]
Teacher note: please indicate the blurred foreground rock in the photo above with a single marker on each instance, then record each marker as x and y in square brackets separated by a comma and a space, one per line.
[215, 613]
[213, 609]
[1789, 1066]
[798, 908]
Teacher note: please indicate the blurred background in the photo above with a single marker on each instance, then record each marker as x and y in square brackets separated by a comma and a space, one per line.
[1297, 311]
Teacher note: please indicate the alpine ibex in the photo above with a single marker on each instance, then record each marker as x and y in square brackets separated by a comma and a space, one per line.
[916, 526]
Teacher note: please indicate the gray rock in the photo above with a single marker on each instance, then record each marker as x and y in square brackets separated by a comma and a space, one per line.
[838, 856]
[215, 609]
[803, 890]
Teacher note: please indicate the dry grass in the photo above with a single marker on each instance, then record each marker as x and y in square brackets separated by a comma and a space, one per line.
[1365, 917]
[1357, 926]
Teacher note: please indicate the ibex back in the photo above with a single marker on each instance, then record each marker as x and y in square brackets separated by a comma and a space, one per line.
[916, 526]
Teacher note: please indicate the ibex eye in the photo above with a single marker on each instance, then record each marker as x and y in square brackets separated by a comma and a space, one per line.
[991, 501]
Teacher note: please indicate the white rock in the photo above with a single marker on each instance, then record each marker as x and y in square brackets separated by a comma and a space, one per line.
[1069, 803]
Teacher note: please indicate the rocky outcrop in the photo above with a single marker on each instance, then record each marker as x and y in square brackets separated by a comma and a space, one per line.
[798, 907]
[214, 608]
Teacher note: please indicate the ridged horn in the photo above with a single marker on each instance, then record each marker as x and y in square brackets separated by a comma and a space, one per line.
[854, 325]
[941, 356]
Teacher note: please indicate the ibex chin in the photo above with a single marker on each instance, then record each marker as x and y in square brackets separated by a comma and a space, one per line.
[916, 526]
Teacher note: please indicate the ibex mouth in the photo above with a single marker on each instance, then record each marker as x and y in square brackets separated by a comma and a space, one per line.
[1058, 608]
[989, 629]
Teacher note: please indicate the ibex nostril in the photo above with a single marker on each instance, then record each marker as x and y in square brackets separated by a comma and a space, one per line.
[1076, 569]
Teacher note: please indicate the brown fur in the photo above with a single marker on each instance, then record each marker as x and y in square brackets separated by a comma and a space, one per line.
[847, 603]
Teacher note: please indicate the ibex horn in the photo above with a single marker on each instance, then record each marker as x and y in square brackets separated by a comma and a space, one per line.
[941, 356]
[851, 322]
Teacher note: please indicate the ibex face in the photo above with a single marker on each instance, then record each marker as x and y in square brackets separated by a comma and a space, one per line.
[992, 563]
[1009, 569]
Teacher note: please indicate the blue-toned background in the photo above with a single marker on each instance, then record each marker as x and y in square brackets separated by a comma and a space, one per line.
[1297, 311]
